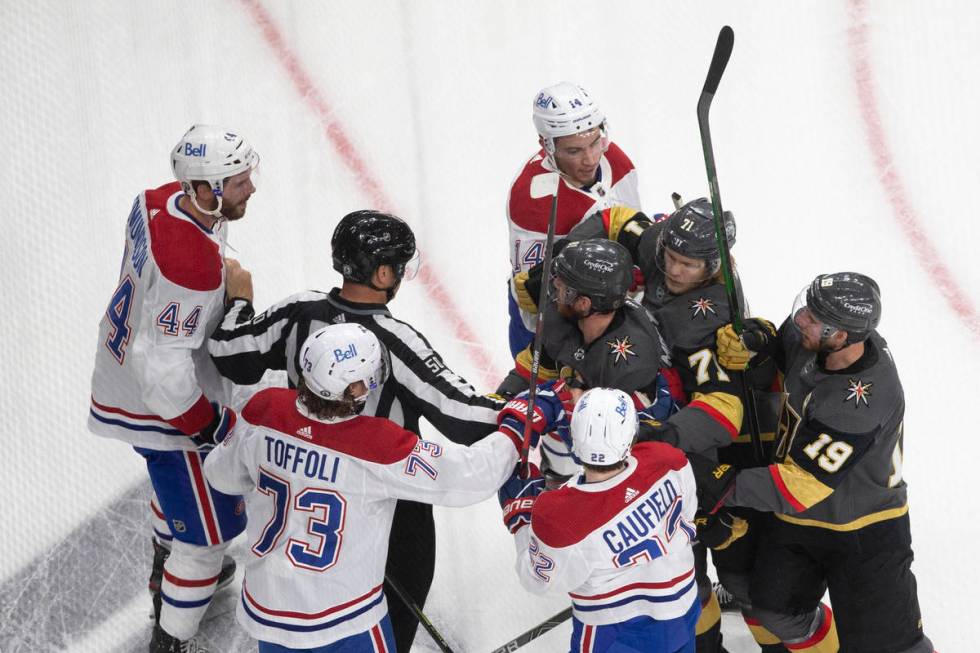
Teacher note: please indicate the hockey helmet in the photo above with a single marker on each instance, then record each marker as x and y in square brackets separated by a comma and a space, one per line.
[565, 109]
[604, 424]
[690, 231]
[338, 355]
[363, 240]
[210, 154]
[847, 301]
[599, 269]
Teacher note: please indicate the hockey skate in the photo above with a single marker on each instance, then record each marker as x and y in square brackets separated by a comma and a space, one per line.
[160, 554]
[164, 642]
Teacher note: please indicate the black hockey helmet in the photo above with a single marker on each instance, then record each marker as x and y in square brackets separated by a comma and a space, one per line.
[690, 231]
[599, 269]
[363, 240]
[848, 301]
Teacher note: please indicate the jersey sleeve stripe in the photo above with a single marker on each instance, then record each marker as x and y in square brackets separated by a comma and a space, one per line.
[783, 490]
[723, 408]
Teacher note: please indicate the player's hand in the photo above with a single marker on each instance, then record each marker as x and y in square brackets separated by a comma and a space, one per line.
[736, 352]
[720, 530]
[527, 287]
[517, 496]
[214, 433]
[547, 414]
[652, 430]
[662, 404]
[238, 281]
[715, 481]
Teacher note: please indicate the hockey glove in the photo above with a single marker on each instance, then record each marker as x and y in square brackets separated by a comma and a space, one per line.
[736, 352]
[651, 430]
[720, 530]
[527, 287]
[214, 433]
[517, 496]
[547, 415]
[715, 481]
[662, 404]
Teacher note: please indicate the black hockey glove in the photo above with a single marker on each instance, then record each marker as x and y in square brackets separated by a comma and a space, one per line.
[737, 352]
[715, 482]
[720, 530]
[651, 430]
[214, 433]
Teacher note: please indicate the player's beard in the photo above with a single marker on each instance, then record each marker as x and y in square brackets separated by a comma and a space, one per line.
[234, 211]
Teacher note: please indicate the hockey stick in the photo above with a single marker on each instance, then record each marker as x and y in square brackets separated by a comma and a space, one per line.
[407, 600]
[719, 60]
[538, 330]
[535, 632]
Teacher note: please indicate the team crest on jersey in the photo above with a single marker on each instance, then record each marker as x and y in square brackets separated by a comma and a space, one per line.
[702, 306]
[621, 349]
[858, 391]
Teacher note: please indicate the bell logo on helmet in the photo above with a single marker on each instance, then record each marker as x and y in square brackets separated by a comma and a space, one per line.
[543, 101]
[190, 150]
[621, 408]
[341, 355]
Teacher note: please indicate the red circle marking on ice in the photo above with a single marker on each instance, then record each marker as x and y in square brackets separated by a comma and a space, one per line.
[370, 186]
[908, 221]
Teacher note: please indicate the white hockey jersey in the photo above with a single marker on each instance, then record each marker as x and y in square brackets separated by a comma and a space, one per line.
[621, 548]
[529, 205]
[153, 376]
[319, 519]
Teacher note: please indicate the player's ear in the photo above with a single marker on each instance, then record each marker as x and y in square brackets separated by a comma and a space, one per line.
[384, 276]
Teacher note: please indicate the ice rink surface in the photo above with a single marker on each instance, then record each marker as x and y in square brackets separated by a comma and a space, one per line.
[845, 134]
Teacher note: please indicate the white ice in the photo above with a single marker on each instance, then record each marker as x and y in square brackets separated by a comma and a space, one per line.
[846, 138]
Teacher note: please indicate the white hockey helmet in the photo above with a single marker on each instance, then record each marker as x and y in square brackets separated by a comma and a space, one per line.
[565, 109]
[212, 154]
[603, 426]
[338, 355]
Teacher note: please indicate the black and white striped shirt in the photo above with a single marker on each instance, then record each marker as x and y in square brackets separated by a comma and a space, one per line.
[245, 345]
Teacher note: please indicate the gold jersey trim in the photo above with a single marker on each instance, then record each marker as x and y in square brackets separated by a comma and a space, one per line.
[861, 522]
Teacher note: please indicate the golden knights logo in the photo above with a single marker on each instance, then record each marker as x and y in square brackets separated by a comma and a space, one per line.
[858, 391]
[701, 306]
[621, 349]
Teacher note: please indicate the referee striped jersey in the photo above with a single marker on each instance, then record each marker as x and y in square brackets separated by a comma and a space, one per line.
[245, 345]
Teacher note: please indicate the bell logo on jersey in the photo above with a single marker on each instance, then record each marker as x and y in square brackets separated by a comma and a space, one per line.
[341, 355]
[190, 150]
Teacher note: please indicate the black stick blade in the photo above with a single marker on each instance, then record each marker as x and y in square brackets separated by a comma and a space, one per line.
[723, 51]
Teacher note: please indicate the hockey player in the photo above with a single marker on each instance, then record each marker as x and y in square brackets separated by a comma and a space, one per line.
[154, 386]
[324, 481]
[684, 290]
[374, 252]
[837, 491]
[594, 336]
[574, 137]
[617, 538]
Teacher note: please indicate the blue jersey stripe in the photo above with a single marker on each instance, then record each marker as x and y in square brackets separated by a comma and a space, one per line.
[666, 598]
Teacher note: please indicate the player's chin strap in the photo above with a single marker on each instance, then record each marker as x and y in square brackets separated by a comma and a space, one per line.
[216, 213]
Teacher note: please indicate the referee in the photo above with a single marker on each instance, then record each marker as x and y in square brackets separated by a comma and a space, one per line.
[373, 251]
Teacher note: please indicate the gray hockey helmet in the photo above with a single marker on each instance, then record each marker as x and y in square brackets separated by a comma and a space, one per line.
[599, 269]
[690, 231]
[849, 301]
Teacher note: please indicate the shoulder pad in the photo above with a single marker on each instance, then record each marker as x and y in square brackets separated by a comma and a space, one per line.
[372, 439]
[181, 249]
[857, 403]
[618, 162]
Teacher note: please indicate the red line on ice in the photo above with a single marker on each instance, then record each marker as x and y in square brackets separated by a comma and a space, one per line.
[906, 216]
[369, 184]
